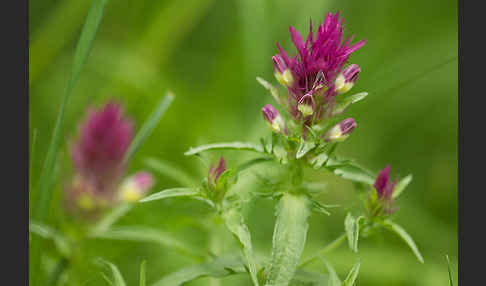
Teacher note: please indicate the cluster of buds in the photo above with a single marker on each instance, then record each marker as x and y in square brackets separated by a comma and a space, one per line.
[380, 200]
[314, 78]
[98, 156]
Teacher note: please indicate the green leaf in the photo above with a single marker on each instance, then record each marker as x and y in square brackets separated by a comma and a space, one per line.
[171, 171]
[115, 272]
[169, 193]
[145, 234]
[305, 278]
[224, 146]
[319, 160]
[220, 267]
[304, 147]
[395, 228]
[352, 275]
[449, 268]
[401, 185]
[149, 125]
[110, 218]
[350, 171]
[60, 241]
[351, 225]
[333, 277]
[236, 224]
[273, 90]
[143, 273]
[44, 192]
[289, 238]
[341, 106]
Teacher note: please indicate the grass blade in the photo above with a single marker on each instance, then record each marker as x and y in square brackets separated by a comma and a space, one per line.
[149, 125]
[44, 191]
[449, 268]
[142, 273]
[222, 146]
[170, 171]
[115, 272]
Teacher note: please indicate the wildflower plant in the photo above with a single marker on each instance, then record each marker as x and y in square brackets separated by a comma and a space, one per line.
[306, 127]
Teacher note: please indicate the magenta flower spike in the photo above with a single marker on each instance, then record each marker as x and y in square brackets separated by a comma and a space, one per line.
[313, 72]
[97, 154]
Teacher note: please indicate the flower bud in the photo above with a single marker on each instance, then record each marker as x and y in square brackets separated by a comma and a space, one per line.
[216, 171]
[383, 185]
[345, 81]
[273, 118]
[341, 130]
[136, 186]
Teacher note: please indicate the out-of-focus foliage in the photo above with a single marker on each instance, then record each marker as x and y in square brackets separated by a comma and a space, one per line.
[209, 52]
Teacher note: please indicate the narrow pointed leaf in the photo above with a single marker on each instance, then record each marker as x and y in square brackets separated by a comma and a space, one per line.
[169, 193]
[341, 106]
[220, 267]
[304, 147]
[273, 90]
[115, 272]
[333, 277]
[235, 223]
[352, 275]
[398, 230]
[401, 185]
[225, 146]
[289, 238]
[149, 125]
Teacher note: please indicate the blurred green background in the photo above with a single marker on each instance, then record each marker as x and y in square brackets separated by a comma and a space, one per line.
[208, 52]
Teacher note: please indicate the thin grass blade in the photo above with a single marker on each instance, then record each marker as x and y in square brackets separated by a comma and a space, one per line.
[149, 125]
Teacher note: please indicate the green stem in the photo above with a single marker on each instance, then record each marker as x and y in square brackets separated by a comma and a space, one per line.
[331, 246]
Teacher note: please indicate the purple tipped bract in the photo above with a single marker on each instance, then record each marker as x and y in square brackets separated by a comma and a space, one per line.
[351, 73]
[383, 185]
[269, 113]
[321, 58]
[216, 171]
[347, 126]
